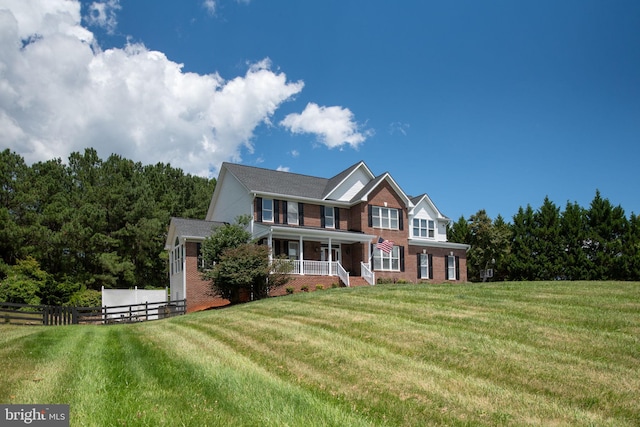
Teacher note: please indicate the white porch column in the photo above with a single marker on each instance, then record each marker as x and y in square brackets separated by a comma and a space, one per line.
[369, 255]
[270, 245]
[301, 260]
[329, 255]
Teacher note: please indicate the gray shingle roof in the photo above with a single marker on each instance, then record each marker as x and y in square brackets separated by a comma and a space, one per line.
[194, 227]
[286, 183]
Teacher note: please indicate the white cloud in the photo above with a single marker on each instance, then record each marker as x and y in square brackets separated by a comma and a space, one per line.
[295, 153]
[210, 6]
[334, 126]
[103, 14]
[59, 94]
[283, 168]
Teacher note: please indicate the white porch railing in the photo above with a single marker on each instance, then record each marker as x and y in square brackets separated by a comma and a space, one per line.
[315, 268]
[343, 274]
[320, 268]
[367, 274]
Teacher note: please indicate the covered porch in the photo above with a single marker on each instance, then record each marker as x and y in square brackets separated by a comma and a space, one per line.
[320, 252]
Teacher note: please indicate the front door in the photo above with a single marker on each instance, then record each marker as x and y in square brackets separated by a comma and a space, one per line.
[335, 253]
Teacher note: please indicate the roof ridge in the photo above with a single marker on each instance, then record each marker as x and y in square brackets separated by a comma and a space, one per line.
[274, 170]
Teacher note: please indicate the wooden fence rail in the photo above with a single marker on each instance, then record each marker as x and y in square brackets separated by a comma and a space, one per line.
[26, 314]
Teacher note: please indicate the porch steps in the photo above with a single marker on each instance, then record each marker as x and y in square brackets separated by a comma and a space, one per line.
[357, 281]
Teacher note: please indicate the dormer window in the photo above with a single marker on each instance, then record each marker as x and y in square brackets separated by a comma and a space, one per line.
[424, 228]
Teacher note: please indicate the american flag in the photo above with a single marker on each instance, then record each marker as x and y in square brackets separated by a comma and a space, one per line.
[384, 245]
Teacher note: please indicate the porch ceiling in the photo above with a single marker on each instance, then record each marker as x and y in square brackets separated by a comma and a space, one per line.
[309, 233]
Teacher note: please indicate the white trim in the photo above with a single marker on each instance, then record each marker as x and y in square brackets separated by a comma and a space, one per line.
[321, 233]
[396, 187]
[436, 244]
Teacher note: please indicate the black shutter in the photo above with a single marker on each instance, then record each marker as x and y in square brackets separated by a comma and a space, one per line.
[370, 212]
[276, 211]
[446, 267]
[259, 208]
[336, 217]
[430, 261]
[301, 213]
[401, 258]
[457, 268]
[285, 212]
[322, 216]
[419, 269]
[400, 219]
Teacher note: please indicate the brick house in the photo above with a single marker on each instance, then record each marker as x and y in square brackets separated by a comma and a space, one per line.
[328, 227]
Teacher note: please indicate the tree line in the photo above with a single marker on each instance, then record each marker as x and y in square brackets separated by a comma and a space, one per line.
[66, 230]
[594, 243]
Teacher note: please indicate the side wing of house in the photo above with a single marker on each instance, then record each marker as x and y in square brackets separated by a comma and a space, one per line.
[183, 244]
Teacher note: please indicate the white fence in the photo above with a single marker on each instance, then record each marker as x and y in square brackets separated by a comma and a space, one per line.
[138, 298]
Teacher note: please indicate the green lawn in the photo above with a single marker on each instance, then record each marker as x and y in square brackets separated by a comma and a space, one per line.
[534, 353]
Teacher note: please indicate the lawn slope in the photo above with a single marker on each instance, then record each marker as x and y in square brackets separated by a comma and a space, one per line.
[543, 353]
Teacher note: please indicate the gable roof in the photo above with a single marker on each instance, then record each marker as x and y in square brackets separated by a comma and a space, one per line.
[269, 181]
[425, 197]
[336, 181]
[288, 184]
[190, 228]
[371, 185]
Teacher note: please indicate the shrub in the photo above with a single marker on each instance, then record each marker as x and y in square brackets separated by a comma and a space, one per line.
[304, 288]
[289, 290]
[319, 287]
[335, 285]
[86, 298]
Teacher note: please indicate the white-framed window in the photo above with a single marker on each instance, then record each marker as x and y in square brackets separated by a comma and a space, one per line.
[452, 270]
[294, 251]
[384, 217]
[177, 254]
[267, 210]
[424, 266]
[329, 218]
[383, 261]
[424, 228]
[292, 213]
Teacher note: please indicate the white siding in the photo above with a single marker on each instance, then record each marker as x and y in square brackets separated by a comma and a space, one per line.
[424, 211]
[350, 187]
[232, 201]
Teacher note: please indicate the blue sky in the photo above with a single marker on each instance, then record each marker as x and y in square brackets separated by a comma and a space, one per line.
[483, 105]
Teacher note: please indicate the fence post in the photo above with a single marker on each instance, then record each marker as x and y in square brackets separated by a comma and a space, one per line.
[104, 315]
[45, 316]
[74, 316]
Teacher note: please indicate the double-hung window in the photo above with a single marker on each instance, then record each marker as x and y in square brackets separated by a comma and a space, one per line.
[329, 217]
[424, 228]
[292, 213]
[383, 261]
[453, 268]
[384, 217]
[294, 251]
[424, 266]
[267, 210]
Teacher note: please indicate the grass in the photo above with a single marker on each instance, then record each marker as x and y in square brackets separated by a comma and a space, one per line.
[535, 353]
